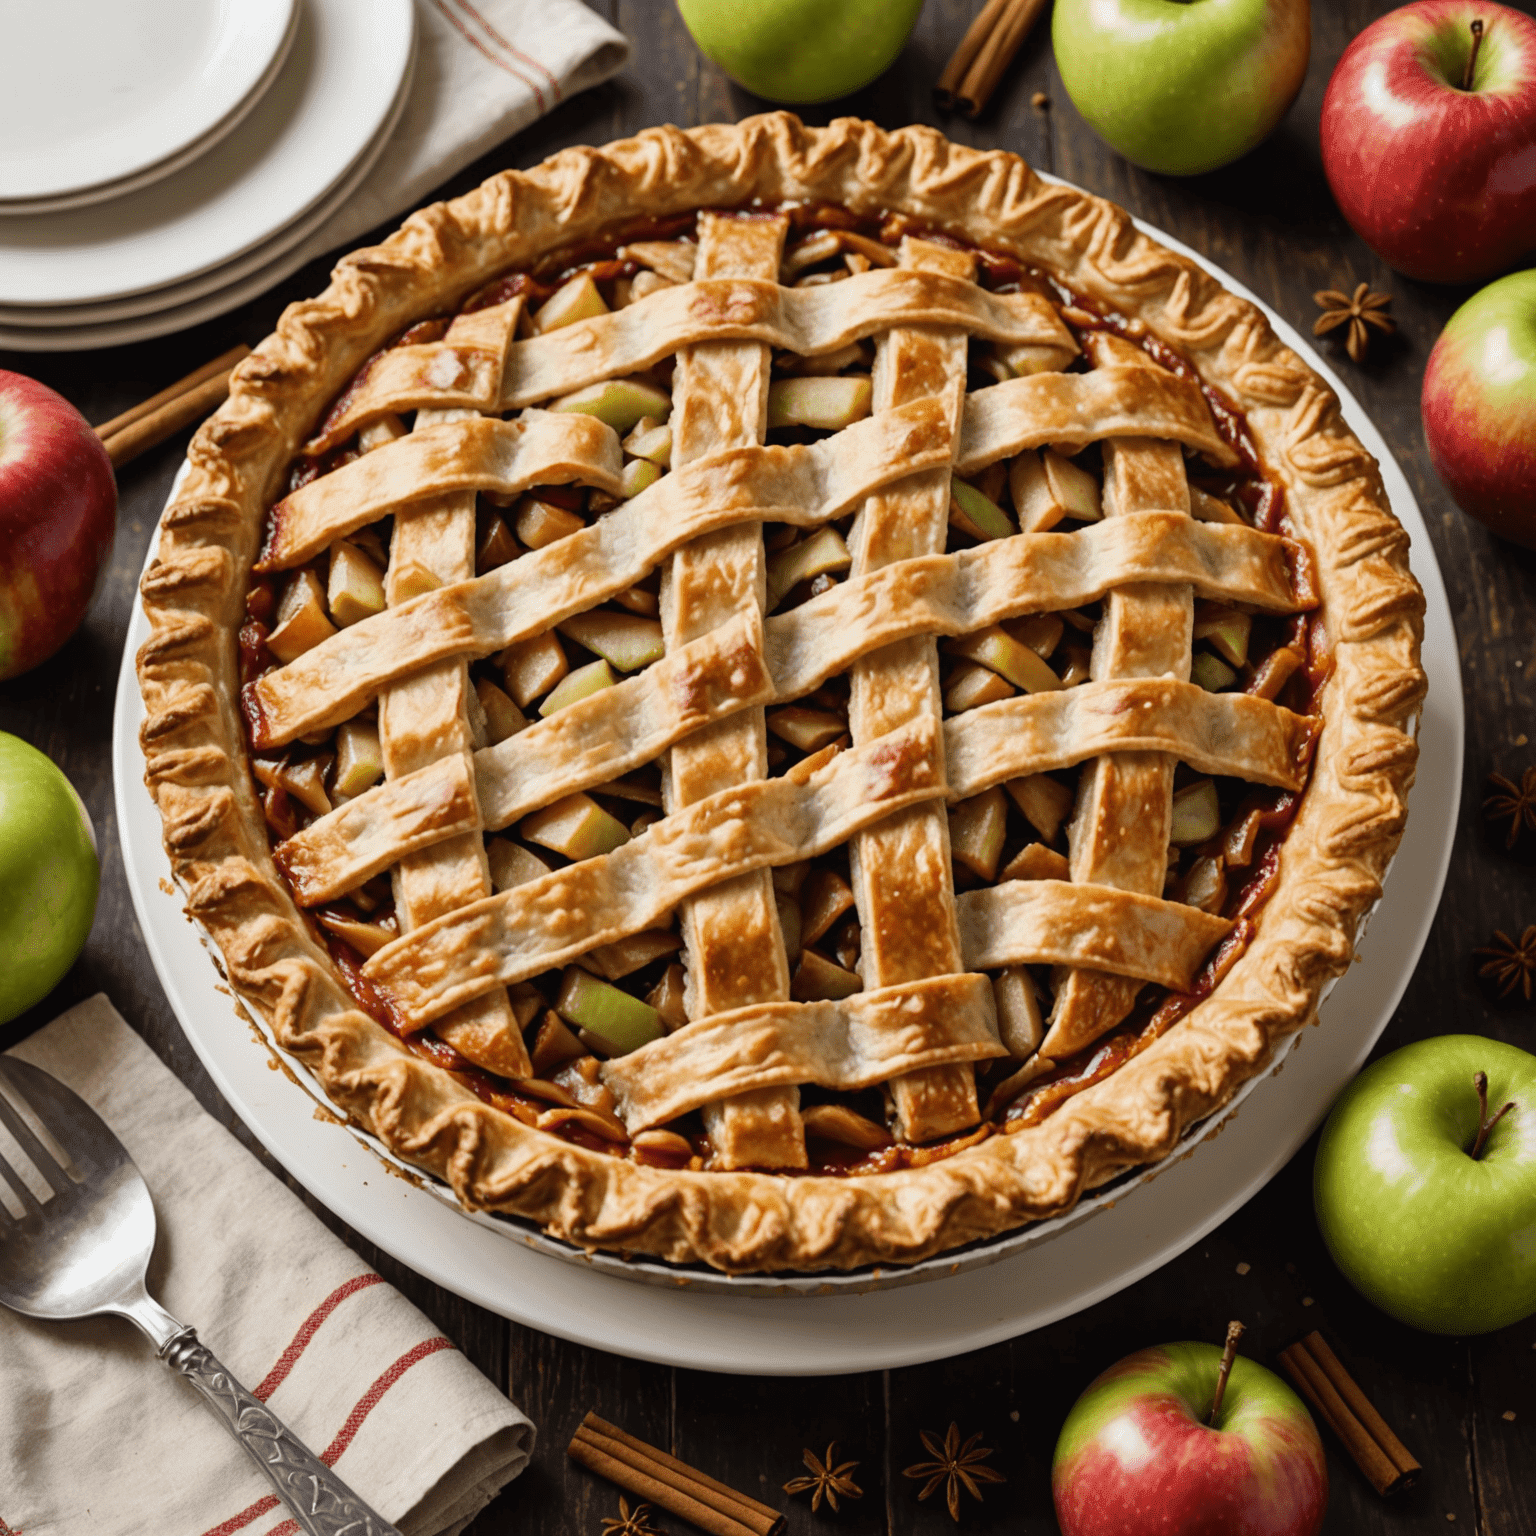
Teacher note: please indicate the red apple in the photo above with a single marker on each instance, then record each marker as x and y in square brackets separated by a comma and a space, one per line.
[1138, 1457]
[1479, 407]
[1437, 176]
[58, 511]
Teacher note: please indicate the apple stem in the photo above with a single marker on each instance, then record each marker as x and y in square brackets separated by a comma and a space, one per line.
[1228, 1355]
[1477, 42]
[1484, 1124]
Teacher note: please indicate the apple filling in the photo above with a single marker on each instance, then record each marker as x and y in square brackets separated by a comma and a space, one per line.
[1225, 837]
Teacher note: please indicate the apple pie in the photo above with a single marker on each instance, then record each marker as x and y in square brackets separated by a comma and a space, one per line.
[780, 698]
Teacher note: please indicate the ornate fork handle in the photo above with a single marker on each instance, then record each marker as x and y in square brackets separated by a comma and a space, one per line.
[319, 1500]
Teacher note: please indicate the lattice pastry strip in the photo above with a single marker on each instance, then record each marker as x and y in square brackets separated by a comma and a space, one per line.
[735, 946]
[902, 880]
[1119, 835]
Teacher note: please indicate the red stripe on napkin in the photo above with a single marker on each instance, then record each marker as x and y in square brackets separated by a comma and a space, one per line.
[6, 1530]
[348, 1432]
[307, 1330]
[475, 43]
[511, 48]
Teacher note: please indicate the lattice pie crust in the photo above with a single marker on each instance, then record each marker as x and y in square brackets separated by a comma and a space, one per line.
[925, 1020]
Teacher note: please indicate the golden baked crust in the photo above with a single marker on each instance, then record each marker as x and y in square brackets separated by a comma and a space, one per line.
[1347, 829]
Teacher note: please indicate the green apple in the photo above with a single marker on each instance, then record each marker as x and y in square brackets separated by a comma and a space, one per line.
[1428, 1215]
[1182, 86]
[801, 50]
[49, 876]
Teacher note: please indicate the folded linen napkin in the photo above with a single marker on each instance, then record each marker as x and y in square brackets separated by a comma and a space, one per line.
[96, 1435]
[484, 70]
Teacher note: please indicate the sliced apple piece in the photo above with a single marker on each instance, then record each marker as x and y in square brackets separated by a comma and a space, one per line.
[553, 1045]
[625, 956]
[621, 403]
[790, 925]
[1211, 509]
[355, 590]
[359, 759]
[1227, 629]
[829, 403]
[819, 979]
[622, 639]
[1019, 1024]
[1205, 886]
[305, 781]
[1078, 666]
[541, 523]
[1026, 358]
[412, 580]
[532, 667]
[1034, 861]
[575, 300]
[666, 997]
[976, 830]
[496, 547]
[825, 898]
[576, 826]
[502, 717]
[1037, 508]
[848, 1128]
[808, 729]
[974, 513]
[638, 600]
[971, 686]
[622, 1022]
[526, 1001]
[637, 475]
[1041, 632]
[580, 684]
[823, 554]
[1211, 672]
[366, 938]
[673, 259]
[1196, 814]
[380, 433]
[301, 619]
[368, 540]
[790, 878]
[1045, 802]
[1075, 490]
[643, 284]
[1274, 672]
[997, 650]
[512, 864]
[651, 440]
[1240, 838]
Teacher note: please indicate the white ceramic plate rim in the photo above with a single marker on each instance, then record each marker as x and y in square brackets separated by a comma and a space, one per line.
[595, 1303]
[340, 84]
[261, 270]
[253, 34]
[25, 207]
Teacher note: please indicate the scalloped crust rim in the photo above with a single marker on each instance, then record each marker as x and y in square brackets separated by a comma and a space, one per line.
[1347, 830]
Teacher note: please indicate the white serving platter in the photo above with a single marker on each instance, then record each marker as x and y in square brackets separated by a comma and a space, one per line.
[322, 113]
[864, 1322]
[102, 96]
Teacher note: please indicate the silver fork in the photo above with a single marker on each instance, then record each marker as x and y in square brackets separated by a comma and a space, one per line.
[85, 1252]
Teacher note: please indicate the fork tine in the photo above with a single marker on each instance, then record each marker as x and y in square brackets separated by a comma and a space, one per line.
[30, 1204]
[42, 1158]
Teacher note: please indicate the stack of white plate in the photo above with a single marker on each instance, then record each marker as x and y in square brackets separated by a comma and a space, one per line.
[162, 161]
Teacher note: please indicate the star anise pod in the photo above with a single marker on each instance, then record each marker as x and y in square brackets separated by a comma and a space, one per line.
[1512, 803]
[1359, 311]
[1510, 964]
[631, 1522]
[956, 1466]
[827, 1480]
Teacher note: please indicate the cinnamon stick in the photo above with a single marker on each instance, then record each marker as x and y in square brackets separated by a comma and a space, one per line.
[152, 421]
[1320, 1377]
[963, 56]
[1007, 36]
[670, 1484]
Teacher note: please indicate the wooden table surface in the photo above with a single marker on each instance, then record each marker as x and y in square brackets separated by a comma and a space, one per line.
[1467, 1408]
